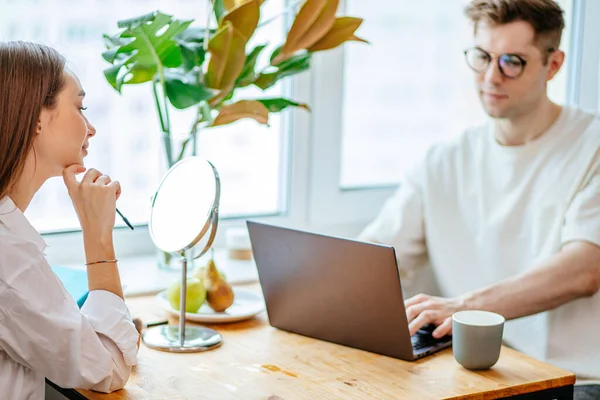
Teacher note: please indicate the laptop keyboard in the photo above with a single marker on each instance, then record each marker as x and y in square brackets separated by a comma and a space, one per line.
[423, 338]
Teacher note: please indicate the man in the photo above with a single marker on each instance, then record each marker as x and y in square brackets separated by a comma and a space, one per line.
[508, 214]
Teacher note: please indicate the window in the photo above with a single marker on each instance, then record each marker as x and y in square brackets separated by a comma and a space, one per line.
[251, 159]
[411, 87]
[340, 168]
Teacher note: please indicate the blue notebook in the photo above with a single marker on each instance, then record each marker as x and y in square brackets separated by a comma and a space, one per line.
[75, 281]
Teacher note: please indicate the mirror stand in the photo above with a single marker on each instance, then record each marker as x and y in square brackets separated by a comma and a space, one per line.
[182, 339]
[190, 188]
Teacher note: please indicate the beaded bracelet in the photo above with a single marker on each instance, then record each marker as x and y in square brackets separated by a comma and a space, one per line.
[102, 261]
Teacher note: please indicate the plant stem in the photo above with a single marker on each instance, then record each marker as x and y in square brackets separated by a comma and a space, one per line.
[197, 120]
[165, 129]
[209, 10]
[205, 110]
[161, 74]
[183, 146]
[158, 108]
[168, 149]
[192, 134]
[207, 31]
[166, 122]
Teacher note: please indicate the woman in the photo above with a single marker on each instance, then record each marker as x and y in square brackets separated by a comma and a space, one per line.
[44, 133]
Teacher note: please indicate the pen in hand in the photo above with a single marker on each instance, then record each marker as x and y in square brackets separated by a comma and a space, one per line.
[124, 219]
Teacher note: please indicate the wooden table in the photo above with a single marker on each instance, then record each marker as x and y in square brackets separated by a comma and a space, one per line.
[257, 361]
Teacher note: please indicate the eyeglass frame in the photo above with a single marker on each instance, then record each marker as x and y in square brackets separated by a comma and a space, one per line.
[497, 57]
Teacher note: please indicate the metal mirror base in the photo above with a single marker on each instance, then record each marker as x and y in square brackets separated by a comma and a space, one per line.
[197, 339]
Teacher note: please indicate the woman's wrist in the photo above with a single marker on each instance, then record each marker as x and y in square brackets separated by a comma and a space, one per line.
[97, 249]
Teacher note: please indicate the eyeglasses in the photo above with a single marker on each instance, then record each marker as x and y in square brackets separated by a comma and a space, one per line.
[510, 65]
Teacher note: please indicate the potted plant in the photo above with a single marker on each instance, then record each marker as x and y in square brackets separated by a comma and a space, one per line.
[204, 68]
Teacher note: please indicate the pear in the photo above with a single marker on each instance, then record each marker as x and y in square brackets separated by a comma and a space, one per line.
[219, 294]
[195, 295]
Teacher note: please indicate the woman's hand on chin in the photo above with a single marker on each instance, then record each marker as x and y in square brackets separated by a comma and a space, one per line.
[94, 199]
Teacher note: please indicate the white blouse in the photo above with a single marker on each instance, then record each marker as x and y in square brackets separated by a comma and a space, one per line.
[43, 333]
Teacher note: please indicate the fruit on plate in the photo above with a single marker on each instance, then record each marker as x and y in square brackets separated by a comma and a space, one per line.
[195, 296]
[219, 294]
[200, 271]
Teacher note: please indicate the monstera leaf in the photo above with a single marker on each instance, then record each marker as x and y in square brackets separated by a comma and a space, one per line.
[157, 47]
[208, 68]
[139, 51]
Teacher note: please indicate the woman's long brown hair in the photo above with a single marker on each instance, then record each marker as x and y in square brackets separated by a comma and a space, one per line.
[31, 77]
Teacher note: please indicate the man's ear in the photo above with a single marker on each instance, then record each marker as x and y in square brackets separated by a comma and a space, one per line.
[555, 60]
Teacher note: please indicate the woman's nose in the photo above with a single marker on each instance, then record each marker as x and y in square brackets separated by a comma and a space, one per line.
[91, 129]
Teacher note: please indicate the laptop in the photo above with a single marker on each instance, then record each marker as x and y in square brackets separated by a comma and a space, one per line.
[338, 290]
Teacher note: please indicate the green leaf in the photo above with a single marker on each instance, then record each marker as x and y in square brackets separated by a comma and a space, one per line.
[294, 62]
[111, 74]
[287, 68]
[146, 44]
[191, 44]
[116, 40]
[137, 21]
[140, 74]
[194, 34]
[275, 53]
[192, 54]
[117, 75]
[184, 90]
[219, 9]
[248, 74]
[279, 104]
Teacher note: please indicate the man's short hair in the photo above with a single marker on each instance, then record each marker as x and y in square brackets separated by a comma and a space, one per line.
[545, 16]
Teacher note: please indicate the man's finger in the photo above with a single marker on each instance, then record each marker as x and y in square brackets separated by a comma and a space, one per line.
[444, 329]
[91, 175]
[413, 311]
[420, 298]
[424, 318]
[69, 174]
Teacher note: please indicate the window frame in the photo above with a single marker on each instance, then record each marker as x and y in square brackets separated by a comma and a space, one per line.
[312, 150]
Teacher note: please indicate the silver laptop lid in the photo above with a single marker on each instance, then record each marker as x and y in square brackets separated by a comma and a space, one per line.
[339, 290]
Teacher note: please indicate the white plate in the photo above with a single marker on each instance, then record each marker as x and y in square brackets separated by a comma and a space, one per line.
[246, 304]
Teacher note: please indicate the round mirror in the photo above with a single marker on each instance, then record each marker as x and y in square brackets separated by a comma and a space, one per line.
[184, 211]
[183, 220]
